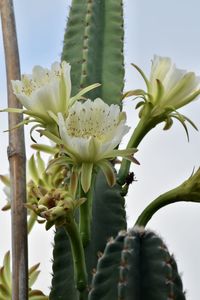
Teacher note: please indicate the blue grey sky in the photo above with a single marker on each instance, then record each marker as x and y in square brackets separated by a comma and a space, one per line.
[167, 28]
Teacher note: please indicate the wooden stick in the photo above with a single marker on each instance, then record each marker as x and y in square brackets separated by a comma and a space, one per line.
[17, 159]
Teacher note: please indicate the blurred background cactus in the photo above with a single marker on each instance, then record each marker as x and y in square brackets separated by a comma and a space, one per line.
[118, 263]
[6, 281]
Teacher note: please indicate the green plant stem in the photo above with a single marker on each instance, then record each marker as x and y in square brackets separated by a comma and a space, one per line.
[85, 216]
[144, 126]
[80, 273]
[172, 196]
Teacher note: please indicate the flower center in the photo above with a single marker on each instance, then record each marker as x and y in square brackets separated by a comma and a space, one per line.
[91, 122]
[40, 77]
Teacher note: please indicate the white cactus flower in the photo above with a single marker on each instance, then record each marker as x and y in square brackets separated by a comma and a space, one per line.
[46, 92]
[171, 87]
[90, 134]
[168, 89]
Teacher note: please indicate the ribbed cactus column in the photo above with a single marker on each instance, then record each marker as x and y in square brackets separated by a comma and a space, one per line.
[147, 270]
[63, 274]
[136, 266]
[93, 44]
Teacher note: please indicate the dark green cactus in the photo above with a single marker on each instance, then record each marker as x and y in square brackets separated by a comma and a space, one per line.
[106, 277]
[108, 218]
[63, 279]
[136, 266]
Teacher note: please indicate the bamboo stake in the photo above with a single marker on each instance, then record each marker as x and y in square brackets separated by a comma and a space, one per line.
[17, 159]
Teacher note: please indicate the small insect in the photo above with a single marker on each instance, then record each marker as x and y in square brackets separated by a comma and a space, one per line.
[130, 178]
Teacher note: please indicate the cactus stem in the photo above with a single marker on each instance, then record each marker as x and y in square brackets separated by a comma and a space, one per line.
[80, 273]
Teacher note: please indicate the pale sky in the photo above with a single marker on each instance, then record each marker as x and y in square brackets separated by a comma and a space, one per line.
[167, 28]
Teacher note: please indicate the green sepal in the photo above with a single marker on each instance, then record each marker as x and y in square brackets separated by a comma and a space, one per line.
[59, 161]
[108, 171]
[44, 148]
[40, 163]
[5, 180]
[82, 92]
[137, 92]
[33, 169]
[51, 136]
[122, 153]
[139, 104]
[33, 274]
[160, 91]
[142, 74]
[13, 110]
[86, 176]
[49, 224]
[168, 123]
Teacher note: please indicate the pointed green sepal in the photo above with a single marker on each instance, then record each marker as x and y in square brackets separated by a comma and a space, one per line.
[142, 74]
[33, 169]
[86, 176]
[44, 148]
[82, 92]
[108, 171]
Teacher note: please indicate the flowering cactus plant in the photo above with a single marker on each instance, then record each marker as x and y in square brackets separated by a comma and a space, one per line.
[78, 106]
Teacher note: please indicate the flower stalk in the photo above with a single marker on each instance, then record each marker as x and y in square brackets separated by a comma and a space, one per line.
[86, 214]
[143, 127]
[188, 191]
[80, 273]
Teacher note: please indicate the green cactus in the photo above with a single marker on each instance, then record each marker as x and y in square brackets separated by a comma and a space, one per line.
[62, 269]
[108, 219]
[136, 265]
[80, 191]
[93, 45]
